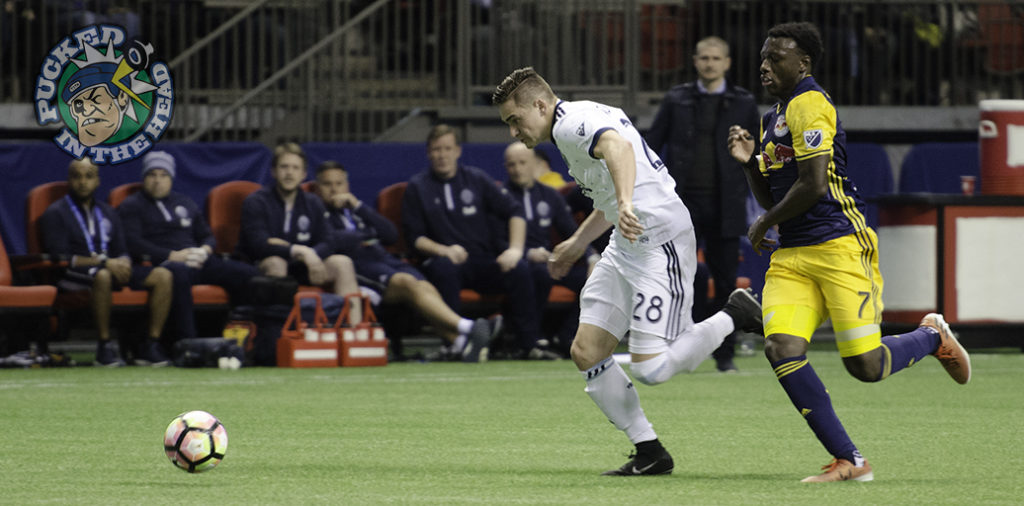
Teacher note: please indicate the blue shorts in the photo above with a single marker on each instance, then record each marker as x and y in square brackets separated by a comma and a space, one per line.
[380, 269]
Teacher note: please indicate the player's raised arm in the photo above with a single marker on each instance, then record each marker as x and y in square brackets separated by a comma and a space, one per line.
[743, 148]
[617, 152]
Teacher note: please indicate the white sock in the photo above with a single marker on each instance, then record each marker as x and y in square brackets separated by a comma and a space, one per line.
[465, 325]
[355, 311]
[686, 352]
[458, 344]
[613, 392]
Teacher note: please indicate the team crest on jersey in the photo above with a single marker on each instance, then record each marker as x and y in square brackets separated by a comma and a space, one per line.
[466, 196]
[544, 214]
[182, 214]
[113, 101]
[812, 138]
[781, 128]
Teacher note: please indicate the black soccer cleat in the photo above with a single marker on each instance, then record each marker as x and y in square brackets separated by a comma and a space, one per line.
[644, 465]
[745, 311]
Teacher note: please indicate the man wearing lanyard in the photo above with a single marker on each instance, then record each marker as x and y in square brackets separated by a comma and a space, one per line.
[90, 235]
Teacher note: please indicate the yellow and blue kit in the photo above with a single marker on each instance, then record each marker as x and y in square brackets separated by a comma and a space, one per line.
[827, 264]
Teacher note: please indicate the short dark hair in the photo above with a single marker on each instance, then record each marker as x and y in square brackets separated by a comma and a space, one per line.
[327, 165]
[441, 130]
[806, 36]
[522, 85]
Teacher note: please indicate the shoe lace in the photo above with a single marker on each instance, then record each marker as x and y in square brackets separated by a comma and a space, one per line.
[831, 466]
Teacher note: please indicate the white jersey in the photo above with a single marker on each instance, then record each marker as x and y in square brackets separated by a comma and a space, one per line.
[577, 127]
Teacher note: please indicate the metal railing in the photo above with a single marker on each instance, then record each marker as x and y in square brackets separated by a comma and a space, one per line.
[329, 70]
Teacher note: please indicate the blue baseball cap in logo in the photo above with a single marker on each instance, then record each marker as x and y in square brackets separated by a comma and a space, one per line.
[93, 75]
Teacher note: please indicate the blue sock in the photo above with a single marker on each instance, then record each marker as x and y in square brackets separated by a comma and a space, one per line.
[810, 398]
[904, 350]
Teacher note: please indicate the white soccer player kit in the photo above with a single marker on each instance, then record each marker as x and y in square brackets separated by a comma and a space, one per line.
[646, 286]
[643, 287]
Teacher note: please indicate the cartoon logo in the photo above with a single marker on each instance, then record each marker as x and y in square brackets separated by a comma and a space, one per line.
[114, 102]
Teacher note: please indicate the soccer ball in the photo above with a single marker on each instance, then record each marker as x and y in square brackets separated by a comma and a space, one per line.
[195, 441]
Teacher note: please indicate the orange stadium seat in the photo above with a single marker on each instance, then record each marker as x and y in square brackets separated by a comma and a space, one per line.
[389, 205]
[39, 297]
[119, 193]
[224, 212]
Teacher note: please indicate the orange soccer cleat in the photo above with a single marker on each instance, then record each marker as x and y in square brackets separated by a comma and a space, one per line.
[842, 470]
[951, 354]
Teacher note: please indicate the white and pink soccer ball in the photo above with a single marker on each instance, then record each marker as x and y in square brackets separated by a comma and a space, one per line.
[195, 441]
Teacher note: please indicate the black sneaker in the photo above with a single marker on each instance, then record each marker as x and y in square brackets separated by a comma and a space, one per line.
[108, 354]
[644, 465]
[479, 339]
[152, 354]
[745, 311]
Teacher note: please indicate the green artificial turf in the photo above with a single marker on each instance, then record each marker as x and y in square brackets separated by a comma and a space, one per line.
[503, 433]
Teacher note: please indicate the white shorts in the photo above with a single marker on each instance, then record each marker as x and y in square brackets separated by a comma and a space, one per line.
[646, 290]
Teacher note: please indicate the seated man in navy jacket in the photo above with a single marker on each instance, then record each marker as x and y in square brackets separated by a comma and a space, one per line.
[285, 230]
[359, 232]
[90, 235]
[546, 212]
[166, 228]
[447, 215]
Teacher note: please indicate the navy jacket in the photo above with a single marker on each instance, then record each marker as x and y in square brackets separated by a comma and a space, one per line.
[150, 233]
[63, 235]
[543, 208]
[674, 129]
[263, 217]
[460, 215]
[371, 231]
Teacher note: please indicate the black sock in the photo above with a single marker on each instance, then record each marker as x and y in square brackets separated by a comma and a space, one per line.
[652, 448]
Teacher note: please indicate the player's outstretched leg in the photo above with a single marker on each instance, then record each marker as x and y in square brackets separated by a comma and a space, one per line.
[951, 353]
[745, 311]
[686, 351]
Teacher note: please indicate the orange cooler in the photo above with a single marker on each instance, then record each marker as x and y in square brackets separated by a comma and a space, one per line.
[1001, 147]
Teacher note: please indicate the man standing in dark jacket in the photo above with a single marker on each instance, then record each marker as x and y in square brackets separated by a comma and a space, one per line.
[691, 129]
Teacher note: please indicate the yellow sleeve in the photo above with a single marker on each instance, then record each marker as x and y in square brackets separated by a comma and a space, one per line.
[812, 123]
